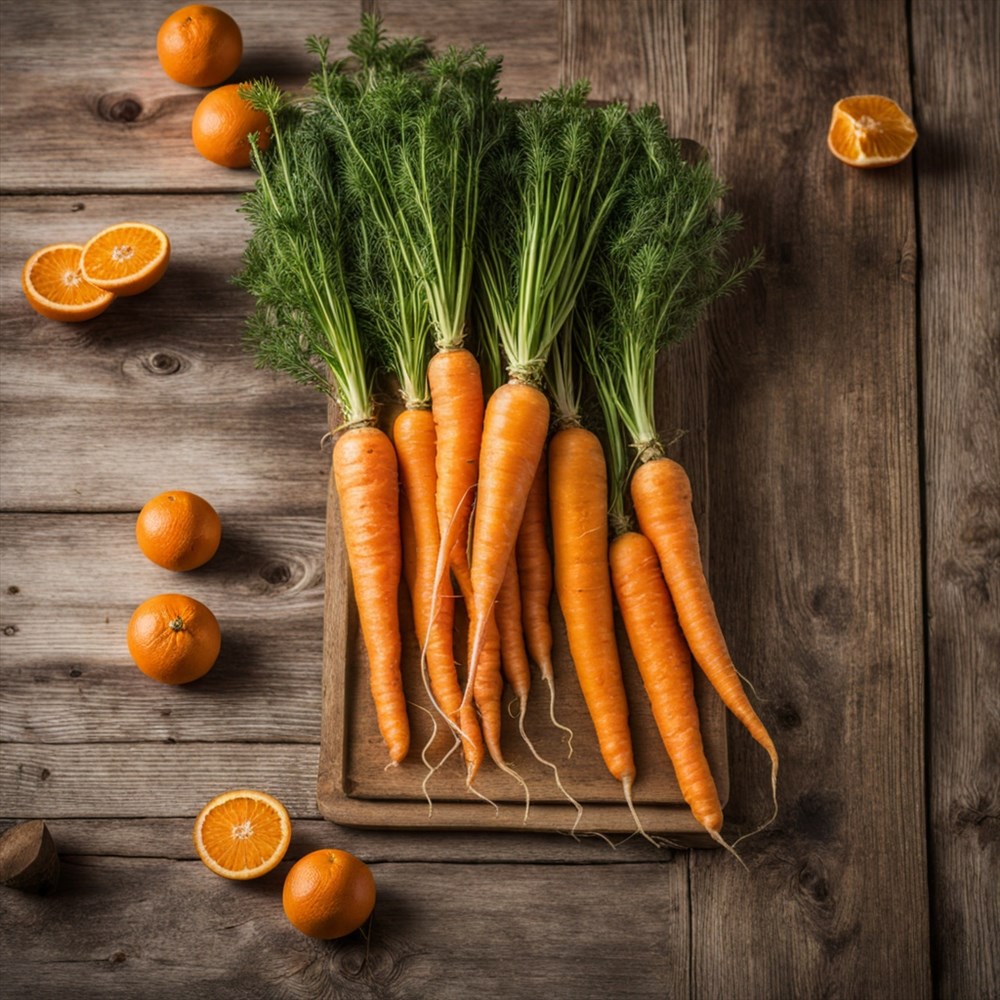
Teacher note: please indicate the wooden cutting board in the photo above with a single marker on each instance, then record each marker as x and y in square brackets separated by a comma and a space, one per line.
[356, 788]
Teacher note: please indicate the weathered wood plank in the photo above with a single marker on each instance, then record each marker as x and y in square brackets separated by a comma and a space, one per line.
[156, 393]
[93, 110]
[957, 88]
[126, 927]
[813, 471]
[150, 779]
[68, 586]
[171, 838]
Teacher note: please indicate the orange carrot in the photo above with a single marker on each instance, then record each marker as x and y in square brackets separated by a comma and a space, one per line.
[661, 494]
[534, 568]
[664, 662]
[513, 654]
[457, 405]
[414, 438]
[364, 471]
[578, 498]
[514, 431]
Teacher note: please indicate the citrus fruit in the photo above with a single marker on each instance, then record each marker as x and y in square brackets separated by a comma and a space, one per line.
[53, 282]
[173, 639]
[127, 258]
[328, 894]
[222, 123]
[870, 131]
[178, 530]
[199, 45]
[242, 834]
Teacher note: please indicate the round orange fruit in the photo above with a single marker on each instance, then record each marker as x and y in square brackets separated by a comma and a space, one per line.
[126, 258]
[870, 131]
[174, 639]
[178, 530]
[221, 126]
[242, 834]
[199, 45]
[328, 894]
[54, 284]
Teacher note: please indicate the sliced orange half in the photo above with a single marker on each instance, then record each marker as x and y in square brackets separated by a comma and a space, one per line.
[870, 131]
[54, 284]
[126, 259]
[242, 834]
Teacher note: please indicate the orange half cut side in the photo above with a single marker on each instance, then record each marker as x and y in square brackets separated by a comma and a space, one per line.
[242, 834]
[870, 131]
[54, 283]
[126, 259]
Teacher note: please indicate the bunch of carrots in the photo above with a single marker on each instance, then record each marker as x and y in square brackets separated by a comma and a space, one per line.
[402, 204]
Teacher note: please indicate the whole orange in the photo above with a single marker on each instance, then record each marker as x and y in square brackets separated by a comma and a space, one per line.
[174, 639]
[199, 45]
[328, 894]
[178, 530]
[222, 123]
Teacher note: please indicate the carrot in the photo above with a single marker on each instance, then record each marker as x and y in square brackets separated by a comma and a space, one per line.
[457, 405]
[413, 434]
[578, 500]
[514, 432]
[664, 661]
[661, 493]
[364, 470]
[513, 654]
[534, 566]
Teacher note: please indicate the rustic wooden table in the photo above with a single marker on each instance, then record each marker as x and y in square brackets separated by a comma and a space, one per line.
[849, 422]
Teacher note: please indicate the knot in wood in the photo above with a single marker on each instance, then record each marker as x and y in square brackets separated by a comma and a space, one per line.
[162, 363]
[276, 573]
[118, 108]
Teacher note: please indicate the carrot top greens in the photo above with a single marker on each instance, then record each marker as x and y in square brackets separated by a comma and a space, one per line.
[661, 261]
[547, 190]
[295, 262]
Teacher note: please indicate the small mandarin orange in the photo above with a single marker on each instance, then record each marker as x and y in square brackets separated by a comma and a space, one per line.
[328, 893]
[222, 124]
[199, 45]
[178, 530]
[173, 638]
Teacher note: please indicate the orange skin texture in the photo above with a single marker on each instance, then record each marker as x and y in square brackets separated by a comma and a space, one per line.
[534, 568]
[53, 267]
[414, 437]
[173, 639]
[221, 124]
[661, 493]
[578, 496]
[513, 654]
[328, 893]
[457, 404]
[515, 427]
[664, 662]
[199, 46]
[367, 483]
[178, 530]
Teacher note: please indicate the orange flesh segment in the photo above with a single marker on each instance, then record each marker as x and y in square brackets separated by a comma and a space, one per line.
[124, 252]
[870, 131]
[57, 276]
[243, 834]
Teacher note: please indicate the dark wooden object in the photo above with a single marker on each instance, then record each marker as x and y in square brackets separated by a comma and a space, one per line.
[846, 456]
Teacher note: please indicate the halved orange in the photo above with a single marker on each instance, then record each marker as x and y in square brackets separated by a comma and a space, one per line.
[242, 834]
[126, 259]
[54, 284]
[870, 131]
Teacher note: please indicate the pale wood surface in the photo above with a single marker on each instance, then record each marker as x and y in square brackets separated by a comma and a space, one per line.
[841, 430]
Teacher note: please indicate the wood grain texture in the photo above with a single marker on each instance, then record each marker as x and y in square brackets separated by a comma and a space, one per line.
[68, 586]
[958, 158]
[156, 393]
[797, 425]
[130, 927]
[89, 108]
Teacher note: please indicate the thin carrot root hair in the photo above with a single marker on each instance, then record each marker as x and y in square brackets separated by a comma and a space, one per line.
[774, 813]
[432, 769]
[550, 681]
[657, 842]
